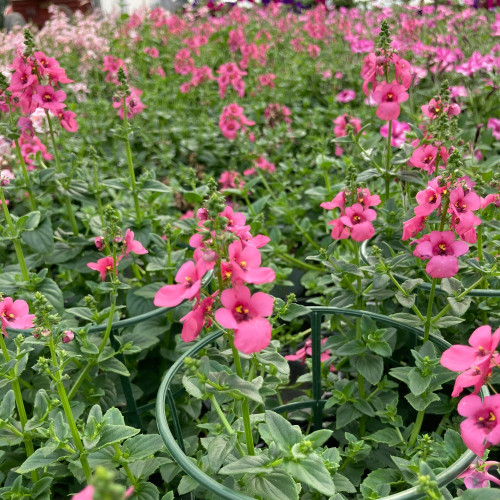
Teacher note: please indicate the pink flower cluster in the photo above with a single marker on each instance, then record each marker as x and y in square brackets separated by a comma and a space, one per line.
[475, 363]
[230, 74]
[261, 163]
[355, 221]
[340, 129]
[133, 103]
[276, 113]
[440, 247]
[15, 314]
[232, 120]
[106, 264]
[240, 310]
[388, 96]
[305, 351]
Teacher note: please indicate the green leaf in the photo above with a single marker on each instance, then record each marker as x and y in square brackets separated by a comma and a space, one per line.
[41, 458]
[311, 471]
[405, 301]
[294, 311]
[193, 386]
[480, 494]
[218, 450]
[446, 321]
[145, 491]
[285, 434]
[251, 464]
[28, 222]
[276, 485]
[388, 436]
[157, 186]
[41, 486]
[142, 446]
[41, 239]
[319, 438]
[417, 382]
[343, 484]
[421, 402]
[454, 445]
[186, 485]
[460, 308]
[451, 285]
[8, 405]
[355, 346]
[52, 293]
[370, 366]
[364, 407]
[115, 366]
[248, 389]
[410, 285]
[114, 434]
[345, 415]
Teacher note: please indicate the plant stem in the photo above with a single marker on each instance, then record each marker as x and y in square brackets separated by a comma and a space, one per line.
[226, 424]
[428, 318]
[130, 164]
[90, 363]
[67, 201]
[15, 239]
[125, 466]
[26, 178]
[359, 336]
[480, 242]
[98, 194]
[21, 410]
[245, 410]
[416, 428]
[388, 163]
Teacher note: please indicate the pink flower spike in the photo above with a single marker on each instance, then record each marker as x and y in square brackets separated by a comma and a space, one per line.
[132, 245]
[481, 427]
[15, 314]
[189, 283]
[246, 315]
[388, 96]
[245, 265]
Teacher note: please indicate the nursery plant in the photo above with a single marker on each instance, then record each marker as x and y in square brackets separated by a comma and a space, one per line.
[243, 251]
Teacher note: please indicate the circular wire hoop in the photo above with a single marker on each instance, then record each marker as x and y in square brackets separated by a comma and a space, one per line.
[176, 447]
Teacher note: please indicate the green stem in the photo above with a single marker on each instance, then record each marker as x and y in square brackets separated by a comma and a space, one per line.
[388, 163]
[90, 363]
[245, 410]
[226, 424]
[428, 318]
[359, 336]
[416, 428]
[480, 242]
[98, 194]
[130, 164]
[21, 410]
[15, 239]
[125, 466]
[20, 157]
[67, 201]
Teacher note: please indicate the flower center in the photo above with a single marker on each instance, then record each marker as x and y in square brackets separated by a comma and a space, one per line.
[243, 263]
[487, 423]
[428, 158]
[242, 313]
[442, 248]
[47, 97]
[390, 96]
[356, 219]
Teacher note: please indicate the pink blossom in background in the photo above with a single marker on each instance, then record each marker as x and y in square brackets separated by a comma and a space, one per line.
[133, 104]
[442, 251]
[425, 157]
[230, 180]
[48, 98]
[398, 134]
[458, 91]
[341, 122]
[5, 177]
[233, 120]
[481, 428]
[104, 265]
[152, 52]
[15, 314]
[276, 112]
[347, 95]
[306, 351]
[246, 314]
[67, 120]
[477, 475]
[494, 125]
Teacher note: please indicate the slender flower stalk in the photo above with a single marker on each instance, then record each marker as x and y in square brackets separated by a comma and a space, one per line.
[75, 433]
[388, 163]
[67, 201]
[28, 443]
[17, 244]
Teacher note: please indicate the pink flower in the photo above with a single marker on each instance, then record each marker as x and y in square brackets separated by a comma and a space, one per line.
[305, 351]
[188, 286]
[133, 104]
[494, 125]
[433, 109]
[194, 320]
[443, 251]
[473, 361]
[48, 98]
[86, 494]
[245, 265]
[132, 245]
[413, 226]
[230, 179]
[104, 265]
[429, 199]
[68, 336]
[398, 134]
[15, 314]
[388, 96]
[5, 177]
[358, 219]
[481, 427]
[67, 120]
[346, 95]
[425, 156]
[341, 122]
[246, 315]
[477, 475]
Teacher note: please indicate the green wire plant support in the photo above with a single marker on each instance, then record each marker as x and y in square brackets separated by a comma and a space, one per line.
[175, 445]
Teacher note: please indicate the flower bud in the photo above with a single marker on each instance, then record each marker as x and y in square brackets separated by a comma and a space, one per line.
[68, 336]
[46, 332]
[99, 242]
